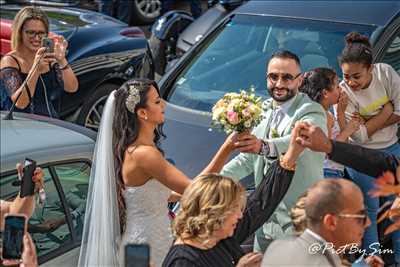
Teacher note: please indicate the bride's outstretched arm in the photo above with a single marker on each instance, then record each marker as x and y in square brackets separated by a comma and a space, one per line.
[218, 161]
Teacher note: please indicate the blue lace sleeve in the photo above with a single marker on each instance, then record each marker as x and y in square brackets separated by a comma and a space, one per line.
[10, 81]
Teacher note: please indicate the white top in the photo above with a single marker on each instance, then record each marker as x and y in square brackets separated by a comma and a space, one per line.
[384, 87]
[329, 164]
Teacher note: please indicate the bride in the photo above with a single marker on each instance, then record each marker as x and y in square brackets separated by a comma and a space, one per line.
[131, 181]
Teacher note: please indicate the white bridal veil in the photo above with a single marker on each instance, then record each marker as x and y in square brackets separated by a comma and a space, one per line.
[101, 231]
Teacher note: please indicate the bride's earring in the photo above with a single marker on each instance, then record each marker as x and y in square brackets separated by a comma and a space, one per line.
[145, 117]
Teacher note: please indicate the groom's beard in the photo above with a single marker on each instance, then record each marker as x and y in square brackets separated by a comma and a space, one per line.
[281, 94]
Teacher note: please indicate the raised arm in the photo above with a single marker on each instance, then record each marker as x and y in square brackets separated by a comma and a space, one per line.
[270, 192]
[369, 161]
[68, 76]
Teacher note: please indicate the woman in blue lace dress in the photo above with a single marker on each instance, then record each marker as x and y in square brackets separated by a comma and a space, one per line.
[47, 73]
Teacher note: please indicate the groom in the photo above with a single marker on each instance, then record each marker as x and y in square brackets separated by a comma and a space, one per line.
[271, 138]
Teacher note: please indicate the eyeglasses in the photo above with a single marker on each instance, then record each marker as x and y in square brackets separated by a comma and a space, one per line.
[33, 34]
[363, 218]
[286, 77]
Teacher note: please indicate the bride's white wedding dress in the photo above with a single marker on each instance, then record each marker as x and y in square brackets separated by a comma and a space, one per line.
[147, 219]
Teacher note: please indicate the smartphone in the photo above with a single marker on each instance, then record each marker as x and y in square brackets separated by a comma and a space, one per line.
[14, 231]
[27, 185]
[137, 255]
[49, 44]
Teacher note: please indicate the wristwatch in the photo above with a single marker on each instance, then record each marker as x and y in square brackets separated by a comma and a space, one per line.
[264, 151]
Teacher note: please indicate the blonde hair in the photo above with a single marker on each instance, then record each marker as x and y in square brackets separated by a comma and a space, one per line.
[298, 215]
[25, 14]
[204, 206]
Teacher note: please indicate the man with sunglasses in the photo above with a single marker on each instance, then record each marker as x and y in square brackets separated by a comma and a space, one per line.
[271, 138]
[336, 219]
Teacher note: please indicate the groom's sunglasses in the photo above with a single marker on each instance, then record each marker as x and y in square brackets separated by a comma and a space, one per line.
[285, 77]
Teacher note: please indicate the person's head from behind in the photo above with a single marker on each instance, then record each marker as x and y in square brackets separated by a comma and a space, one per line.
[29, 27]
[210, 209]
[138, 107]
[298, 215]
[322, 86]
[356, 61]
[335, 210]
[283, 75]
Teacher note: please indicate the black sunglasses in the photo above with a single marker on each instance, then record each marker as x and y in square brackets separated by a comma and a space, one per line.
[286, 77]
[33, 34]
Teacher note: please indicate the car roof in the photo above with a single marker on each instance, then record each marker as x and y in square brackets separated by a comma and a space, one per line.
[43, 140]
[95, 19]
[378, 13]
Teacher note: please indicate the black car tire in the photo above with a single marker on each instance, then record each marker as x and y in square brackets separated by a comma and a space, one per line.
[92, 108]
[139, 17]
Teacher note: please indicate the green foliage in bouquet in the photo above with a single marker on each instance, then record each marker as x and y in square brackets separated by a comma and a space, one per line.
[237, 111]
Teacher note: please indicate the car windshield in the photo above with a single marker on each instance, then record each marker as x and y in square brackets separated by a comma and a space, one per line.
[234, 57]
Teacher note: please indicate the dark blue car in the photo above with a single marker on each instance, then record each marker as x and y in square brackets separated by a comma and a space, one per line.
[233, 56]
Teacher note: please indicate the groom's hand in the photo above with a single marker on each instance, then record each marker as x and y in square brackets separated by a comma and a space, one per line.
[248, 143]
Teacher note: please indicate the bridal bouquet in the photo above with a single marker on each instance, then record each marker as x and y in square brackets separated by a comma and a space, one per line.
[237, 111]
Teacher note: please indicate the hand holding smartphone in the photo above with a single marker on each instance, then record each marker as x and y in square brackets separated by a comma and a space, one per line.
[49, 44]
[27, 185]
[15, 226]
[137, 255]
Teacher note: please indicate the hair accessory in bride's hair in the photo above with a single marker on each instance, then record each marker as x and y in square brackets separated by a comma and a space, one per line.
[133, 98]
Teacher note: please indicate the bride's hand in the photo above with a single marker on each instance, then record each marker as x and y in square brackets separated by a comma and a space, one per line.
[231, 142]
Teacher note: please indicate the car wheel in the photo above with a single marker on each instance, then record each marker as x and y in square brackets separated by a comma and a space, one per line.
[145, 11]
[92, 108]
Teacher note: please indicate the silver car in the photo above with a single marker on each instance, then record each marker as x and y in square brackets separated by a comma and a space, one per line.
[64, 151]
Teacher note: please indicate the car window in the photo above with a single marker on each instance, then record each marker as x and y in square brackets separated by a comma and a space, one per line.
[48, 224]
[235, 56]
[74, 178]
[392, 54]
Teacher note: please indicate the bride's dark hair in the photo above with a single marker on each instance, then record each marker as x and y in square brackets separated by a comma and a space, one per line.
[126, 128]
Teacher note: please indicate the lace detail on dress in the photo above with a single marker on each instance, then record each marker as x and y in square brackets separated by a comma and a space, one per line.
[10, 81]
[147, 219]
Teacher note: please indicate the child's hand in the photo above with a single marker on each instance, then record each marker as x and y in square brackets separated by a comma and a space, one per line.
[343, 101]
[357, 116]
[353, 125]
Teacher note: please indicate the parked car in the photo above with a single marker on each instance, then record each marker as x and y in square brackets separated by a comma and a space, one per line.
[141, 11]
[64, 151]
[234, 53]
[103, 52]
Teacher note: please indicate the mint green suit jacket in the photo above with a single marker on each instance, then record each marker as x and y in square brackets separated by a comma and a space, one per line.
[309, 166]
